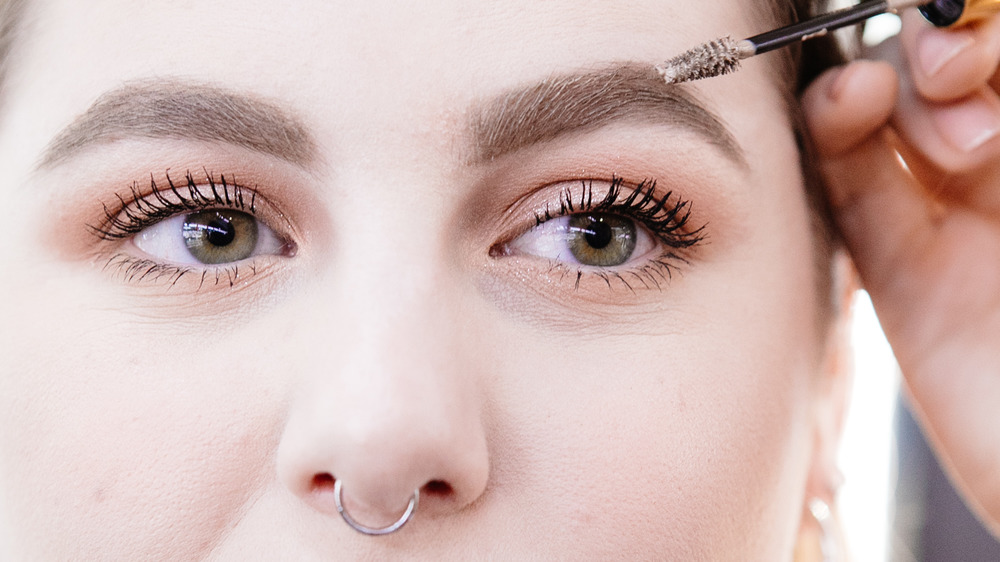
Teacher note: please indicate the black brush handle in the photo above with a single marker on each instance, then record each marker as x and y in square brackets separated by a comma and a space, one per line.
[817, 26]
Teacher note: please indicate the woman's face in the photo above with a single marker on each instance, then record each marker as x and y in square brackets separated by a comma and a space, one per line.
[440, 293]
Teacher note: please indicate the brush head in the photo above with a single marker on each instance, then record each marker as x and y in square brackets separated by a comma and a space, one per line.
[714, 58]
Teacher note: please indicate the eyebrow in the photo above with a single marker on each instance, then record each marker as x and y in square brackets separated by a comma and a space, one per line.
[557, 106]
[171, 109]
[586, 101]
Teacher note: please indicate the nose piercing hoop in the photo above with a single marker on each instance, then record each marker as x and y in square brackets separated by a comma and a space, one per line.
[407, 515]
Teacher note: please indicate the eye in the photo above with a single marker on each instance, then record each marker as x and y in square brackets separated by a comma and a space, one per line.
[209, 237]
[610, 230]
[590, 239]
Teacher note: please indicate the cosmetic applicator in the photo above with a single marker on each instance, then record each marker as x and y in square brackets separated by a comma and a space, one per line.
[723, 55]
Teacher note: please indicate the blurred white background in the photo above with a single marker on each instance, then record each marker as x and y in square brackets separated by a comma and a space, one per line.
[866, 454]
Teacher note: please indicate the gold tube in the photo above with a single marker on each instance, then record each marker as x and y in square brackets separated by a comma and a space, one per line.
[976, 10]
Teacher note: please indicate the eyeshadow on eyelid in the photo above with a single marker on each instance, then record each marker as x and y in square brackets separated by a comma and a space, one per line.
[284, 193]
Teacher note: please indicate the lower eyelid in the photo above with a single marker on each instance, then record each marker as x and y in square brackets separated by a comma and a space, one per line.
[178, 280]
[650, 275]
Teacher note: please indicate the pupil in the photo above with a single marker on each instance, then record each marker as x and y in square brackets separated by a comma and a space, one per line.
[598, 234]
[220, 235]
[219, 232]
[601, 239]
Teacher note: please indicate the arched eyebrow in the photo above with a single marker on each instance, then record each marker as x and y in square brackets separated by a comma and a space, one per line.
[585, 101]
[157, 109]
[558, 106]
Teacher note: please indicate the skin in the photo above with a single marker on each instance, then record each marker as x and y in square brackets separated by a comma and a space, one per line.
[926, 241]
[394, 350]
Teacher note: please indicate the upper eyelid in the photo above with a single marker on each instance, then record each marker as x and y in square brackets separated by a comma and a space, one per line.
[621, 195]
[585, 183]
[194, 194]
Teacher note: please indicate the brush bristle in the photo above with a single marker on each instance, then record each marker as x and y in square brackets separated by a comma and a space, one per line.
[714, 58]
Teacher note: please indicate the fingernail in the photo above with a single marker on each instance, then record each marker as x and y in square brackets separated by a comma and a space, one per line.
[838, 84]
[938, 46]
[969, 124]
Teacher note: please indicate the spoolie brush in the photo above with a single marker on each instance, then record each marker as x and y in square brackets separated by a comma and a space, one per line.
[715, 58]
[723, 55]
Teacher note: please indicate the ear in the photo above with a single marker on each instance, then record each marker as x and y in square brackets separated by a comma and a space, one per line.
[833, 387]
[833, 384]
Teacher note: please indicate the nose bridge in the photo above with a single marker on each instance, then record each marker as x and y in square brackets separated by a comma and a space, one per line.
[410, 390]
[393, 403]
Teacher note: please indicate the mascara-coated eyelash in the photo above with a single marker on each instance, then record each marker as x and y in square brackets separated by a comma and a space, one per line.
[665, 216]
[135, 270]
[131, 217]
[629, 233]
[201, 228]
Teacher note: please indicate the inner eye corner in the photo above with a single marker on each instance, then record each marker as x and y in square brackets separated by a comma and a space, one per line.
[499, 249]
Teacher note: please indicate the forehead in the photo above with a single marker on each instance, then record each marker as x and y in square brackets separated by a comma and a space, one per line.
[352, 69]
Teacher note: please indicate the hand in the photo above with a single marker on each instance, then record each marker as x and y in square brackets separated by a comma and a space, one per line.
[926, 242]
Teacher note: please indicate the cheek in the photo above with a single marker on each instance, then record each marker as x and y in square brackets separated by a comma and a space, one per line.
[698, 417]
[126, 436]
[701, 447]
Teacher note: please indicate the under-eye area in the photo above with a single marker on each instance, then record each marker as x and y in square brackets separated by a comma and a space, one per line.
[204, 227]
[628, 235]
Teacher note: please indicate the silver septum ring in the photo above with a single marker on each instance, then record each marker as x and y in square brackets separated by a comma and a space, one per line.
[407, 515]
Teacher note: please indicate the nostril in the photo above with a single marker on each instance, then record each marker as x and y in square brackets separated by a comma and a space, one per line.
[437, 488]
[323, 482]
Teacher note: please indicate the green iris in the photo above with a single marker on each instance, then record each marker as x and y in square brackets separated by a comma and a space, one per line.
[220, 235]
[601, 239]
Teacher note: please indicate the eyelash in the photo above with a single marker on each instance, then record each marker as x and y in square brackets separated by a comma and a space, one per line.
[148, 212]
[133, 269]
[139, 212]
[667, 218]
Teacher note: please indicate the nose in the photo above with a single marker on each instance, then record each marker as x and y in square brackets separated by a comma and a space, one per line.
[390, 405]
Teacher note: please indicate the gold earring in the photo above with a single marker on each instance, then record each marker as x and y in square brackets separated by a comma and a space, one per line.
[821, 512]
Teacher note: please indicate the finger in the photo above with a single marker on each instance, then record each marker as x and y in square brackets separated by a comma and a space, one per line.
[960, 137]
[846, 105]
[951, 146]
[884, 216]
[947, 64]
[886, 220]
